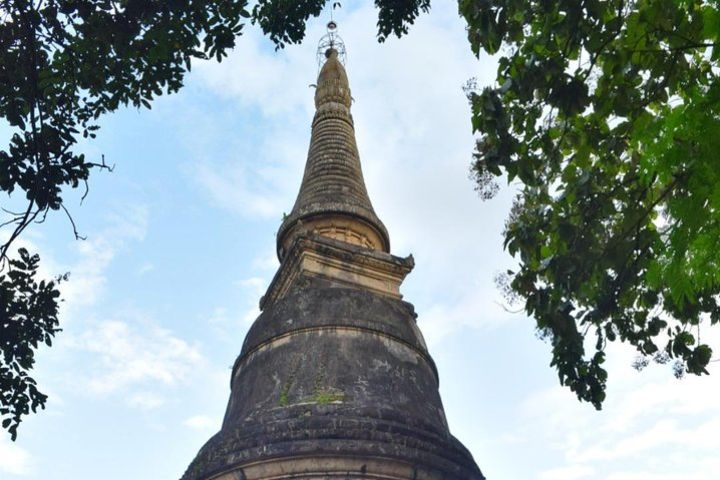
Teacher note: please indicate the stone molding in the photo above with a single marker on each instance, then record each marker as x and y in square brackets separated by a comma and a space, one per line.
[336, 329]
[340, 262]
[330, 467]
[339, 226]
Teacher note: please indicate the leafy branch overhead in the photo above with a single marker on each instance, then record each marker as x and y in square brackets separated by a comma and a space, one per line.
[606, 115]
[284, 20]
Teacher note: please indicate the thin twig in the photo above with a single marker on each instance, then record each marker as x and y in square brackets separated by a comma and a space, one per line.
[10, 212]
[23, 222]
[44, 217]
[103, 165]
[13, 220]
[87, 190]
[507, 309]
[72, 222]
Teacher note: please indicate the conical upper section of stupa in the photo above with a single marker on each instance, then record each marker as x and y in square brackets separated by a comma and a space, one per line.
[333, 200]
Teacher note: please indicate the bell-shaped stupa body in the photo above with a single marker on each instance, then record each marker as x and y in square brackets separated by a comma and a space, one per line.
[334, 380]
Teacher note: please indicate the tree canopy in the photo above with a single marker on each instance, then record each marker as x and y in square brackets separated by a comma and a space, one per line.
[604, 113]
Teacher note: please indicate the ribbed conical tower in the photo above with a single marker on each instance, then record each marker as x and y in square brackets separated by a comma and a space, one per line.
[333, 193]
[334, 380]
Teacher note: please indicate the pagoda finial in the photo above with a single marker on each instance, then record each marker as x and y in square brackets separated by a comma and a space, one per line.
[329, 42]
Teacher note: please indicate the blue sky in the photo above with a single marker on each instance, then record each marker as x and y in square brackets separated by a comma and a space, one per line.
[181, 247]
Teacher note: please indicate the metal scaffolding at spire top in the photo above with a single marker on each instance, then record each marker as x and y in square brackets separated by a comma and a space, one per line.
[331, 41]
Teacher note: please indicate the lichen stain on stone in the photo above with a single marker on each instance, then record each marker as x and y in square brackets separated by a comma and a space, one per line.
[380, 364]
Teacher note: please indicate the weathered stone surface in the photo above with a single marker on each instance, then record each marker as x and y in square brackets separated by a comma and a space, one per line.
[335, 371]
[340, 262]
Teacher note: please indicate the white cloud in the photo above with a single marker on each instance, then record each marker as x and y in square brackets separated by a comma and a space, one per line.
[145, 401]
[219, 315]
[259, 80]
[665, 432]
[201, 422]
[250, 315]
[475, 305]
[146, 267]
[239, 189]
[255, 284]
[252, 175]
[267, 262]
[14, 460]
[651, 425]
[688, 474]
[88, 278]
[128, 356]
[254, 288]
[247, 309]
[573, 472]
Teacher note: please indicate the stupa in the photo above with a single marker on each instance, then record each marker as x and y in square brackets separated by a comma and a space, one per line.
[334, 380]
